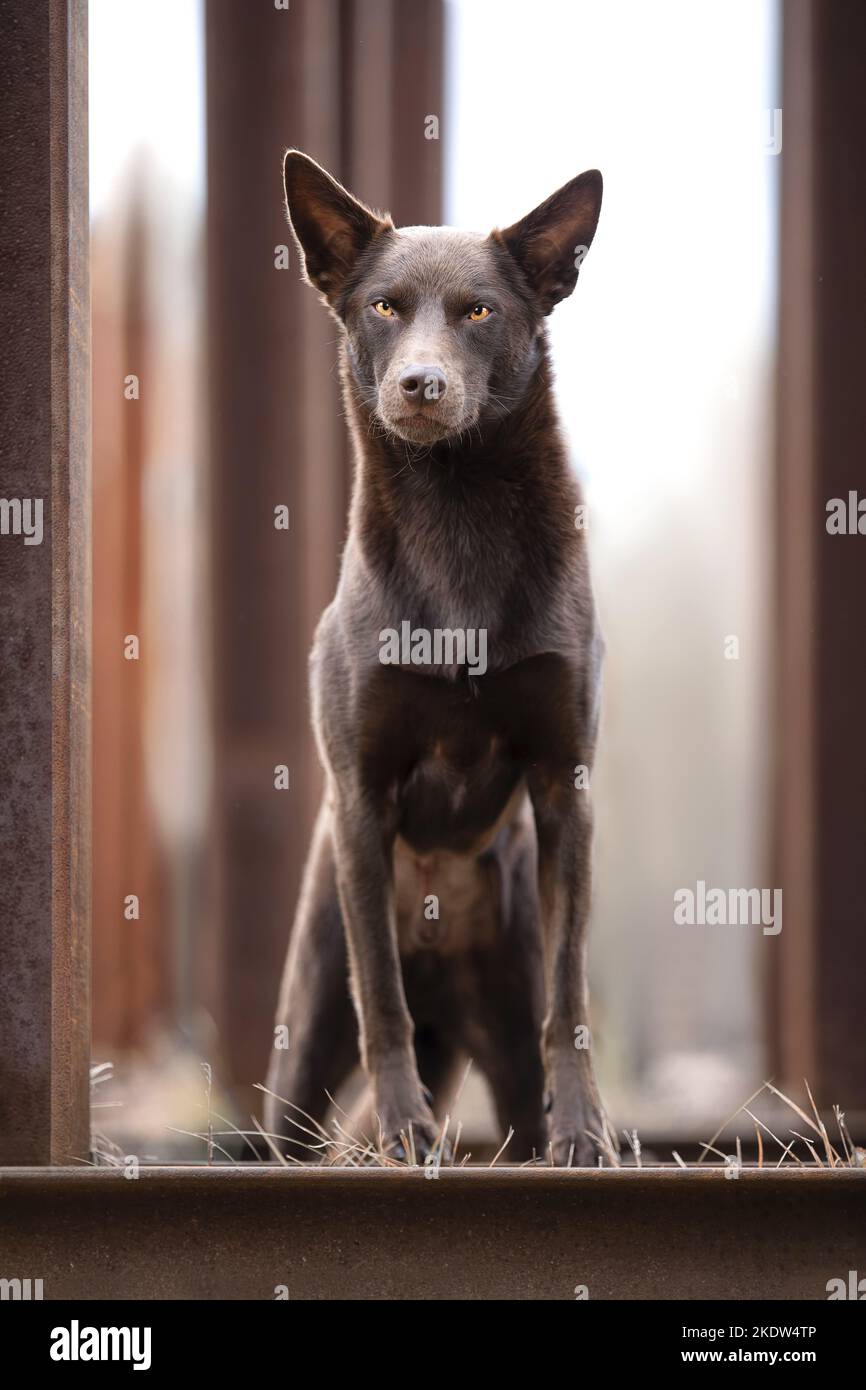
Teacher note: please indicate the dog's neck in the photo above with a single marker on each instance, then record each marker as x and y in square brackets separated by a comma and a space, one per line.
[458, 529]
[507, 449]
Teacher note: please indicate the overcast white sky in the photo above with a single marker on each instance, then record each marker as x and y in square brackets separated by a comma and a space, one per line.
[146, 84]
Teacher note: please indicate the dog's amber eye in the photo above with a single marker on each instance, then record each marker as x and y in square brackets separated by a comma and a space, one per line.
[479, 312]
[383, 308]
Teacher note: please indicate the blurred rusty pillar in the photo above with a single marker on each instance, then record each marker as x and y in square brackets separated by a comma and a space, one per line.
[45, 609]
[819, 993]
[316, 75]
[261, 617]
[133, 989]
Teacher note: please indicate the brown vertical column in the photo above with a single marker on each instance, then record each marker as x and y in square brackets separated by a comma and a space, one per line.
[45, 587]
[133, 989]
[418, 41]
[259, 417]
[820, 992]
[313, 76]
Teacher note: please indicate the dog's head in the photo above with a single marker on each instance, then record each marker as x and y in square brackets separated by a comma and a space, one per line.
[442, 326]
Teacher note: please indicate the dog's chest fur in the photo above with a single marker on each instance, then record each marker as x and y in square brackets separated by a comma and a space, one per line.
[457, 558]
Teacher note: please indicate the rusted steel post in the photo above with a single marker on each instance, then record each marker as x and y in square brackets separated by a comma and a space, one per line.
[821, 557]
[44, 585]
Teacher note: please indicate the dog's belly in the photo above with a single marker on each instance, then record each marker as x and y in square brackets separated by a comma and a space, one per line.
[446, 886]
[445, 903]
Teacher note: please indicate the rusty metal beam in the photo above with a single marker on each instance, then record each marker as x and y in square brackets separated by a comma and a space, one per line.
[817, 993]
[238, 1233]
[45, 586]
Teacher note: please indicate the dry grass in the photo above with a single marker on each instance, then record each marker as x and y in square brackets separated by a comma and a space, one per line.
[104, 1152]
[334, 1146]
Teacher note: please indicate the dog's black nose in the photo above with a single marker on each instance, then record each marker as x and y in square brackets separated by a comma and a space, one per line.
[422, 383]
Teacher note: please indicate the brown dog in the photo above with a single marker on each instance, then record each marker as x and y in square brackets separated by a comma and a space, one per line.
[455, 686]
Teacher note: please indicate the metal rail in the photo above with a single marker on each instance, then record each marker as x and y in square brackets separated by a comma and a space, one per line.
[473, 1233]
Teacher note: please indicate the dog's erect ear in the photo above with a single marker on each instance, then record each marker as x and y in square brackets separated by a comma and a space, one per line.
[550, 242]
[331, 227]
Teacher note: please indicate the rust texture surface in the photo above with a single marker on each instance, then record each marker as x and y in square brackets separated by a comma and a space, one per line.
[818, 987]
[469, 1234]
[44, 614]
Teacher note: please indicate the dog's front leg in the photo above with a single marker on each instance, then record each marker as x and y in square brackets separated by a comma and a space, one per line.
[563, 819]
[365, 884]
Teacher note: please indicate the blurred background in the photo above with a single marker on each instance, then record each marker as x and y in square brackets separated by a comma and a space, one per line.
[216, 401]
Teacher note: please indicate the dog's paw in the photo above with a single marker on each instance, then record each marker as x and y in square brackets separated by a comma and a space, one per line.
[581, 1139]
[412, 1140]
[426, 1151]
[573, 1150]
